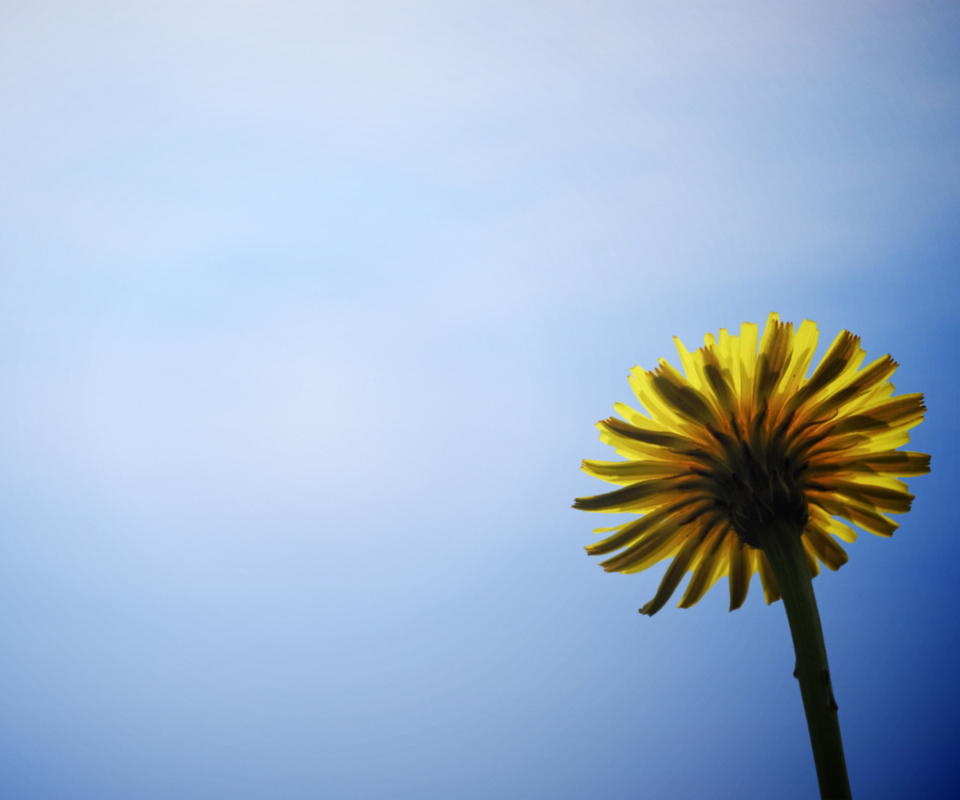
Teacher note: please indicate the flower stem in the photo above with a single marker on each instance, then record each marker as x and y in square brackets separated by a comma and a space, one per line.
[783, 547]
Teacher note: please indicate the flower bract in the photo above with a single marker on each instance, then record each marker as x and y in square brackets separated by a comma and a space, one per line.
[744, 439]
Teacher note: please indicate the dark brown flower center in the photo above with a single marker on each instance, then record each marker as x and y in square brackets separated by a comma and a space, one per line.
[762, 492]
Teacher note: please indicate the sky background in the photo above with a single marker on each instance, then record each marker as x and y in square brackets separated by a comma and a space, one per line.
[307, 311]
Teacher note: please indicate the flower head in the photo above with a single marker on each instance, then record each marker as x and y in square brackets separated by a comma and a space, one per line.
[744, 444]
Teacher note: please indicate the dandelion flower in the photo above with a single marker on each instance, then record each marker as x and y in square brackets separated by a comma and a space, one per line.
[745, 464]
[744, 440]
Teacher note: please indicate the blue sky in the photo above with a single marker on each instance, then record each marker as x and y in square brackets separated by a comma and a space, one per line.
[307, 311]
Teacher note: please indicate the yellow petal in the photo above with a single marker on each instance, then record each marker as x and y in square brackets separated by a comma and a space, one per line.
[718, 381]
[692, 364]
[879, 497]
[771, 589]
[804, 346]
[676, 571]
[637, 419]
[711, 565]
[832, 526]
[896, 462]
[842, 359]
[741, 570]
[642, 384]
[625, 472]
[632, 532]
[864, 516]
[748, 364]
[685, 401]
[773, 359]
[851, 386]
[659, 544]
[730, 351]
[812, 564]
[647, 443]
[826, 549]
[905, 410]
[638, 495]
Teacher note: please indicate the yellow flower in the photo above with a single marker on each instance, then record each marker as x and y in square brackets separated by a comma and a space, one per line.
[745, 443]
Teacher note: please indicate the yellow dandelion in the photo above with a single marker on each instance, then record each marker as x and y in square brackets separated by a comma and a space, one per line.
[744, 465]
[745, 440]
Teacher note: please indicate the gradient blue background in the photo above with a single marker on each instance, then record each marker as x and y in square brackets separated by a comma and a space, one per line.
[307, 311]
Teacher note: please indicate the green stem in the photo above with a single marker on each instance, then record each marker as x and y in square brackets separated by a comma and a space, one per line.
[784, 550]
